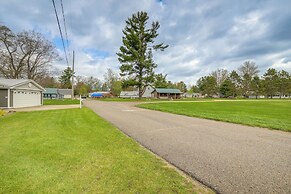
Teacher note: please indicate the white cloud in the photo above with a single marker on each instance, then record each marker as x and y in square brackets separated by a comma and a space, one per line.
[202, 36]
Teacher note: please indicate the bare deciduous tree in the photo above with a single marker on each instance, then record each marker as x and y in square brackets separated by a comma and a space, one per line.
[11, 62]
[110, 78]
[25, 55]
[248, 71]
[220, 76]
[250, 68]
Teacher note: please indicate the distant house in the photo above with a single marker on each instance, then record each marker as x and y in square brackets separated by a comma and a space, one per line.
[51, 93]
[256, 97]
[187, 95]
[197, 95]
[134, 94]
[17, 93]
[55, 93]
[128, 94]
[151, 92]
[164, 93]
[65, 93]
[192, 95]
[148, 91]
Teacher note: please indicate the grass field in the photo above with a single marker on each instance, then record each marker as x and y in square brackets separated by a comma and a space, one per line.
[75, 151]
[60, 101]
[115, 99]
[273, 114]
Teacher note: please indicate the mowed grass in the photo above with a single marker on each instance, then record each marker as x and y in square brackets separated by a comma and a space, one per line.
[116, 99]
[75, 151]
[273, 114]
[60, 101]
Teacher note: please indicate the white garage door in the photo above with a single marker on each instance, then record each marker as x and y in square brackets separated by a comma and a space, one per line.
[26, 98]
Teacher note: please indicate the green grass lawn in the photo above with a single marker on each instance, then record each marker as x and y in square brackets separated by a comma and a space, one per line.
[75, 151]
[60, 101]
[115, 99]
[274, 114]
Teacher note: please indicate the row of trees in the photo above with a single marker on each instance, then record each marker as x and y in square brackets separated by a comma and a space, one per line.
[245, 82]
[25, 55]
[112, 83]
[84, 85]
[160, 81]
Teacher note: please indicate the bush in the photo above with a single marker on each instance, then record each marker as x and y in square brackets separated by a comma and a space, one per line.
[2, 112]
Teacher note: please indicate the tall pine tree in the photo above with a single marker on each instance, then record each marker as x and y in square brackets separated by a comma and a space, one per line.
[65, 78]
[136, 53]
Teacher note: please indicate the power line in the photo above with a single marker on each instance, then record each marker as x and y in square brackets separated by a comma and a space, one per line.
[66, 34]
[60, 32]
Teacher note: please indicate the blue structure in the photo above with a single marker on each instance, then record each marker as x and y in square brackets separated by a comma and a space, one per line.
[96, 95]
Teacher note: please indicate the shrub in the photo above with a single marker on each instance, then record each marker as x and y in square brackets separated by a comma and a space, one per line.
[2, 112]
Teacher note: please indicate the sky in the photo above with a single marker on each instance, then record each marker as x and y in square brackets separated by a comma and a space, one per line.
[202, 35]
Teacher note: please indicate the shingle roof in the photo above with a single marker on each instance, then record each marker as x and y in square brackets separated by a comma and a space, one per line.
[12, 82]
[129, 93]
[65, 91]
[51, 91]
[168, 90]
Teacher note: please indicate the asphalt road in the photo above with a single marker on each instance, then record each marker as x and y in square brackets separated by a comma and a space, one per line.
[228, 158]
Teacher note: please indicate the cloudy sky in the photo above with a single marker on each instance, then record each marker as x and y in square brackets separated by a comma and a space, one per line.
[202, 35]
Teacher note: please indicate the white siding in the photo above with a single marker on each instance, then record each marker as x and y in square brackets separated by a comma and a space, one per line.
[22, 98]
[148, 92]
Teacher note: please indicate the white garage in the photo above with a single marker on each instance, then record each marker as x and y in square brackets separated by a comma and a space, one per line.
[18, 93]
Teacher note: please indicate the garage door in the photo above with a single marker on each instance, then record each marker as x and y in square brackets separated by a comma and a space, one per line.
[26, 98]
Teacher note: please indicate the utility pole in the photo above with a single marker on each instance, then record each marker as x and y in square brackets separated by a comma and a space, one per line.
[73, 74]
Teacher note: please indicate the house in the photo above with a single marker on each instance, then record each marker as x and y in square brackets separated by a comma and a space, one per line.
[17, 93]
[134, 94]
[51, 93]
[151, 92]
[55, 93]
[148, 91]
[164, 93]
[128, 94]
[65, 93]
[197, 95]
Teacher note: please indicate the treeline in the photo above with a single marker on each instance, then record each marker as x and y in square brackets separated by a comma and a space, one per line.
[245, 82]
[111, 82]
[160, 81]
[84, 85]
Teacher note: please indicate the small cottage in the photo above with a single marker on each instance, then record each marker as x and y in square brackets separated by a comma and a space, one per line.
[165, 93]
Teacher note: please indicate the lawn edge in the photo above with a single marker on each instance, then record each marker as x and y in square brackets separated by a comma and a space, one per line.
[188, 176]
[214, 119]
[197, 183]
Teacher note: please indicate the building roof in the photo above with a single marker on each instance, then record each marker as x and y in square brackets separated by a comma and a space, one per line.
[11, 83]
[168, 90]
[51, 91]
[129, 93]
[65, 91]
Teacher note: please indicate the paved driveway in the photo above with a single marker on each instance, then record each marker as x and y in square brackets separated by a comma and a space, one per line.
[229, 158]
[45, 107]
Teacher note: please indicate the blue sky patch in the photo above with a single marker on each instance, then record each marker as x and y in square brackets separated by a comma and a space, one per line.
[97, 53]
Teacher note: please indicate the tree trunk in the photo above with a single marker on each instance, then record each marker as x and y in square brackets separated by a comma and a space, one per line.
[139, 92]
